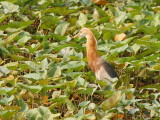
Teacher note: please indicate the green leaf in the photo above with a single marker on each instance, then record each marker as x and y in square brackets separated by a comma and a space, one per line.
[156, 86]
[70, 84]
[119, 49]
[112, 101]
[56, 94]
[44, 63]
[121, 17]
[7, 114]
[11, 64]
[51, 24]
[54, 71]
[3, 49]
[60, 10]
[84, 104]
[51, 35]
[34, 66]
[16, 57]
[88, 91]
[16, 26]
[4, 70]
[136, 47]
[34, 47]
[101, 12]
[148, 29]
[86, 2]
[23, 40]
[10, 38]
[9, 7]
[36, 76]
[70, 118]
[156, 67]
[3, 17]
[41, 113]
[31, 88]
[82, 20]
[49, 87]
[91, 106]
[5, 90]
[61, 28]
[6, 100]
[61, 99]
[60, 47]
[73, 65]
[24, 106]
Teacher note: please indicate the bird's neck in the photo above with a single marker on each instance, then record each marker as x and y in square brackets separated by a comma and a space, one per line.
[92, 53]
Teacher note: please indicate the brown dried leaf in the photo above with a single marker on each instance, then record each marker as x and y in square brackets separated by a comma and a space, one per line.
[75, 95]
[10, 77]
[120, 37]
[129, 107]
[100, 2]
[118, 116]
[88, 112]
[45, 99]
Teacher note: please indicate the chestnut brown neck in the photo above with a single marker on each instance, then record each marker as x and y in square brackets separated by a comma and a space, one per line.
[92, 53]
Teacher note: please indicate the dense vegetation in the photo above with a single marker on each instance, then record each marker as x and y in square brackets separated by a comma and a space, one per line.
[44, 73]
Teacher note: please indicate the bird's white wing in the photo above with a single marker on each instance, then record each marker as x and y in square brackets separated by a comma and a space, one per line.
[106, 72]
[101, 74]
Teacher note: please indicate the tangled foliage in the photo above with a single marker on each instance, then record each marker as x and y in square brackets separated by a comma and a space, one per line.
[44, 73]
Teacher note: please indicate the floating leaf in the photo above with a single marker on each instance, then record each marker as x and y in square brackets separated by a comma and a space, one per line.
[3, 49]
[73, 65]
[41, 113]
[23, 40]
[34, 66]
[60, 10]
[156, 86]
[87, 2]
[31, 88]
[16, 26]
[44, 63]
[49, 24]
[82, 20]
[4, 70]
[5, 90]
[6, 100]
[7, 114]
[101, 12]
[112, 101]
[56, 94]
[9, 7]
[3, 17]
[54, 71]
[91, 106]
[10, 38]
[36, 76]
[136, 47]
[88, 91]
[84, 104]
[61, 28]
[156, 66]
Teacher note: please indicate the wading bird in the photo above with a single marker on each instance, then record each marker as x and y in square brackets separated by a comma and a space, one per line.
[101, 68]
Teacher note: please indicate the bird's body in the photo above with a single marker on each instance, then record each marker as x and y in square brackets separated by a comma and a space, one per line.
[102, 69]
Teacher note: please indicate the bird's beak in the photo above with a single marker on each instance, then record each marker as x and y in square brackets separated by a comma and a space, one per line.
[76, 35]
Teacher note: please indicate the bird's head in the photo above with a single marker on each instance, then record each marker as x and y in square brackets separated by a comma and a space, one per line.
[84, 32]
